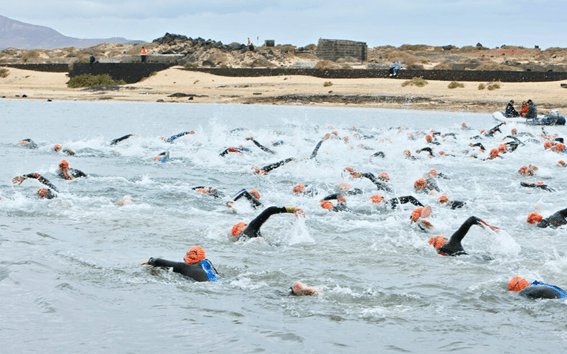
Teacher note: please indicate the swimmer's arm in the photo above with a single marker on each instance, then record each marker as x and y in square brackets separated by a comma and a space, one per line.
[262, 147]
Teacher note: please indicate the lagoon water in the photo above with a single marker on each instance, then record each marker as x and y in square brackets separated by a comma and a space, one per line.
[70, 273]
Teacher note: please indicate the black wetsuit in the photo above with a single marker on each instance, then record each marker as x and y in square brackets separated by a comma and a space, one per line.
[494, 130]
[30, 144]
[382, 186]
[215, 193]
[253, 229]
[72, 172]
[41, 179]
[454, 204]
[275, 165]
[378, 154]
[555, 220]
[533, 185]
[263, 148]
[431, 186]
[404, 200]
[255, 203]
[341, 206]
[314, 153]
[454, 247]
[511, 111]
[194, 271]
[428, 150]
[117, 140]
[539, 290]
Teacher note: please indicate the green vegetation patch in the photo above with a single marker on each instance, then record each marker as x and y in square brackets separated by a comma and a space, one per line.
[455, 84]
[416, 81]
[4, 72]
[88, 80]
[327, 83]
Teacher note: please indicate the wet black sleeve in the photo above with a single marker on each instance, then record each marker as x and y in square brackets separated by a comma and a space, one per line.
[194, 271]
[540, 292]
[263, 147]
[314, 153]
[77, 173]
[380, 185]
[42, 180]
[253, 201]
[253, 229]
[275, 165]
[117, 140]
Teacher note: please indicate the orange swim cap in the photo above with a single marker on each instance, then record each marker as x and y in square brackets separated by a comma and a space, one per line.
[384, 176]
[194, 255]
[534, 217]
[517, 284]
[559, 147]
[416, 214]
[341, 199]
[464, 125]
[63, 164]
[231, 149]
[420, 184]
[407, 153]
[428, 138]
[325, 204]
[437, 241]
[238, 228]
[57, 147]
[441, 152]
[344, 187]
[502, 148]
[376, 199]
[523, 170]
[348, 168]
[298, 188]
[514, 131]
[345, 138]
[539, 183]
[255, 193]
[432, 173]
[494, 152]
[483, 131]
[547, 145]
[561, 163]
[443, 199]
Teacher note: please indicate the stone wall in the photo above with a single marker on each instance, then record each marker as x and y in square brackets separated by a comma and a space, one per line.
[442, 75]
[129, 72]
[330, 49]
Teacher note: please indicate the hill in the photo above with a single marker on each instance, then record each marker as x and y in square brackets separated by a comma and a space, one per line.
[22, 35]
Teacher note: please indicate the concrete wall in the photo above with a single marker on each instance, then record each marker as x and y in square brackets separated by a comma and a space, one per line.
[129, 72]
[443, 75]
[330, 49]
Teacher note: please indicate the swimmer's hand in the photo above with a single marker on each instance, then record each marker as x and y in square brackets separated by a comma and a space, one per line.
[426, 224]
[299, 212]
[146, 262]
[327, 136]
[18, 179]
[250, 138]
[492, 227]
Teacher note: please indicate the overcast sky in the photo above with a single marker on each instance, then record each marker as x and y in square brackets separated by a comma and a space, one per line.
[300, 22]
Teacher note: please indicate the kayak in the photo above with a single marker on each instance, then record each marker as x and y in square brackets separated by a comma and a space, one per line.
[553, 118]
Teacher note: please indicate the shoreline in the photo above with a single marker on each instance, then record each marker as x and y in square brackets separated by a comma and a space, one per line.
[181, 86]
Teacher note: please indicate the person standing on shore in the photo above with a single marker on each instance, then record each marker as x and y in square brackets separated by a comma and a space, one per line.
[144, 53]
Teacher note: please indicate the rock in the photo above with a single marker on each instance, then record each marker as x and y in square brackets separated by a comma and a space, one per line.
[160, 100]
[564, 85]
[208, 63]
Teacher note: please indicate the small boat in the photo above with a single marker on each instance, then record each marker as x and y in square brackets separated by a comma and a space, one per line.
[552, 118]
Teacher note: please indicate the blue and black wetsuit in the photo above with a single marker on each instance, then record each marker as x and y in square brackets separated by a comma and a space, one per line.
[117, 140]
[233, 149]
[555, 220]
[200, 271]
[538, 290]
[210, 191]
[177, 136]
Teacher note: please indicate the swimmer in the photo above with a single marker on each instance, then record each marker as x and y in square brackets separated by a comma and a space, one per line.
[494, 153]
[554, 221]
[341, 203]
[480, 146]
[253, 197]
[394, 202]
[300, 289]
[314, 153]
[381, 185]
[58, 148]
[196, 265]
[264, 170]
[262, 147]
[304, 190]
[408, 156]
[433, 173]
[380, 154]
[453, 247]
[172, 138]
[28, 143]
[117, 140]
[125, 200]
[527, 170]
[69, 173]
[19, 179]
[419, 213]
[454, 204]
[428, 186]
[162, 157]
[426, 149]
[239, 150]
[538, 184]
[245, 231]
[495, 129]
[46, 193]
[208, 190]
[536, 290]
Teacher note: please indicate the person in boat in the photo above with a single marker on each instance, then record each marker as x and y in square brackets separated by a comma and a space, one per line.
[511, 111]
[195, 266]
[554, 221]
[524, 109]
[536, 290]
[243, 231]
[532, 110]
[453, 246]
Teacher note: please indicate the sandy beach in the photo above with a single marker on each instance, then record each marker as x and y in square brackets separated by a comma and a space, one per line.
[196, 87]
